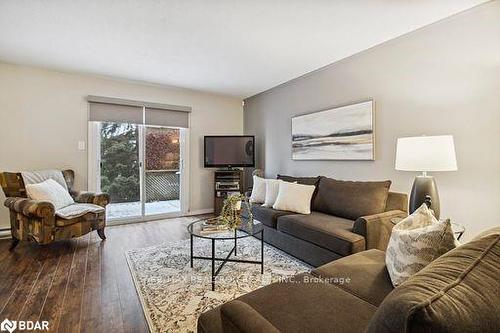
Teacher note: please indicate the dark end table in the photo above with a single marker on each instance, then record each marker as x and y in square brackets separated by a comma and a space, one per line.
[249, 228]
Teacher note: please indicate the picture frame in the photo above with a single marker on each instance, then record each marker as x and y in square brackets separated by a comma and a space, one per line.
[345, 132]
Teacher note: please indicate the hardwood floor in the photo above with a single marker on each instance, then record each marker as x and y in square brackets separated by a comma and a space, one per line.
[80, 285]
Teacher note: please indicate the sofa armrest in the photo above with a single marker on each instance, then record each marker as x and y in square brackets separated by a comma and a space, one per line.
[377, 228]
[100, 199]
[238, 316]
[31, 208]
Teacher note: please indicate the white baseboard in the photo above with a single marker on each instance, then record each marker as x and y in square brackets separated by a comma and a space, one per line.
[110, 223]
[5, 234]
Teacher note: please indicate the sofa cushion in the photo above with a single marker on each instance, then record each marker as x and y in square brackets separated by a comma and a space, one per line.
[272, 189]
[258, 194]
[51, 191]
[458, 292]
[299, 180]
[78, 209]
[238, 316]
[367, 274]
[88, 217]
[305, 304]
[36, 177]
[266, 215]
[350, 199]
[330, 232]
[302, 180]
[397, 201]
[210, 321]
[294, 197]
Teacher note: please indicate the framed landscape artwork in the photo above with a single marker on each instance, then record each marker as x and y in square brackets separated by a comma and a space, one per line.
[340, 133]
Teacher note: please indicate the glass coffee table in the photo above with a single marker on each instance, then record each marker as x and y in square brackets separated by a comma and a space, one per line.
[248, 228]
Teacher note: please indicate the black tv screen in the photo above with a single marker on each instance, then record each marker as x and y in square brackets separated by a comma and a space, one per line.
[229, 151]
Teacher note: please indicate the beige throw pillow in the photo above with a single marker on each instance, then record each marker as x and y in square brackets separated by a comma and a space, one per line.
[415, 242]
[258, 191]
[272, 189]
[51, 191]
[294, 197]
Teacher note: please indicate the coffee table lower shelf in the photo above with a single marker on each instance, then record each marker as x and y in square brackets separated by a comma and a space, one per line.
[213, 259]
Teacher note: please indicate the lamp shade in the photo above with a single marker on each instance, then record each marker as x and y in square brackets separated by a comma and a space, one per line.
[426, 153]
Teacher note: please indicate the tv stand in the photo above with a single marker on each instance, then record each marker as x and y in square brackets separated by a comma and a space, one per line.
[226, 182]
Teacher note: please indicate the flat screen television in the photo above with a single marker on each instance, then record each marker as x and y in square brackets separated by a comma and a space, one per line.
[229, 151]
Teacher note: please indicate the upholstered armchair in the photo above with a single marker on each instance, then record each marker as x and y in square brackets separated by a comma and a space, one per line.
[37, 221]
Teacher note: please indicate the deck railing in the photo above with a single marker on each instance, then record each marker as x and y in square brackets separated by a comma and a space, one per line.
[162, 185]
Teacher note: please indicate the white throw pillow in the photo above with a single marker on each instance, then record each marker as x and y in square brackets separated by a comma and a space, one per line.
[258, 190]
[51, 191]
[294, 197]
[415, 242]
[272, 188]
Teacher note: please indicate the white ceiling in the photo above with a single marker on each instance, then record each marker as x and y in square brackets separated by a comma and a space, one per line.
[230, 47]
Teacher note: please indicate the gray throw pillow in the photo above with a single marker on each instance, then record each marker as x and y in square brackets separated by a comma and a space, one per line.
[349, 199]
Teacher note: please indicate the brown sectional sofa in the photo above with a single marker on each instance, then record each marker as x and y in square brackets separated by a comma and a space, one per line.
[347, 217]
[458, 292]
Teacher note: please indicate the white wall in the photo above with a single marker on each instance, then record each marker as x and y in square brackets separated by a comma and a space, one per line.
[442, 79]
[43, 115]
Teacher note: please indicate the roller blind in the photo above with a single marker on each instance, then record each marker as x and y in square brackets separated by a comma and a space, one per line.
[137, 112]
[115, 113]
[164, 117]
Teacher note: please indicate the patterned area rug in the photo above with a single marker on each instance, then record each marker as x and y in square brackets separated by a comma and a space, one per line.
[173, 294]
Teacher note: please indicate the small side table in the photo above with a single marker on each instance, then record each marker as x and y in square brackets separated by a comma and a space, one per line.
[458, 229]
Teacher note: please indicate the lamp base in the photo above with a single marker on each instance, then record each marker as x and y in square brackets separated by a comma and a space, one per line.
[424, 190]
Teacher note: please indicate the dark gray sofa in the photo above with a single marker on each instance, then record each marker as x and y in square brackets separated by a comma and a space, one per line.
[346, 218]
[458, 292]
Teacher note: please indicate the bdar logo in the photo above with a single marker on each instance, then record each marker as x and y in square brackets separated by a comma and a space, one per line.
[8, 325]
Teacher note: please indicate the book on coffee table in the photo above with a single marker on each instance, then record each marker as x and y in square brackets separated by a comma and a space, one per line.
[213, 228]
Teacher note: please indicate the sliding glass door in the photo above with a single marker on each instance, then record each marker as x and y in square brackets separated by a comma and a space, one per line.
[162, 172]
[120, 168]
[140, 166]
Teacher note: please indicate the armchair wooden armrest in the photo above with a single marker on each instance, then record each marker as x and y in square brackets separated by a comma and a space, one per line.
[30, 208]
[100, 199]
[377, 228]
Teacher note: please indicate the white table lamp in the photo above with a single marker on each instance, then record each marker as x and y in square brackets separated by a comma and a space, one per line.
[425, 153]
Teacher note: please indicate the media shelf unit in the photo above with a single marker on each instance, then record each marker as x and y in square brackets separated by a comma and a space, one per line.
[226, 182]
